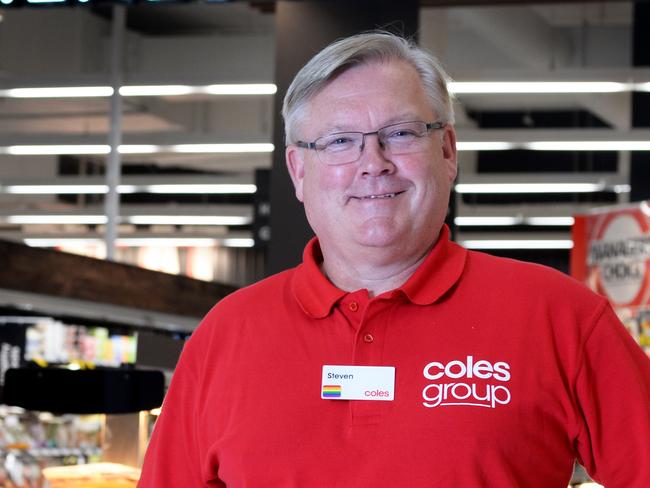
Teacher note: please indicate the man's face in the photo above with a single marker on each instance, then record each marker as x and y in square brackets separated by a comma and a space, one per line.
[392, 202]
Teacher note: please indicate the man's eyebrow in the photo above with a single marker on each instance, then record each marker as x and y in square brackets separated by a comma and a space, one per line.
[395, 119]
[403, 117]
[338, 128]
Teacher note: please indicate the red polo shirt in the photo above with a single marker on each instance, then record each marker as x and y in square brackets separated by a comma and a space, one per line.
[505, 372]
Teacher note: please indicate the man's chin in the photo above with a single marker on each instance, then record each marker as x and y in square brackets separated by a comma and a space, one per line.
[380, 236]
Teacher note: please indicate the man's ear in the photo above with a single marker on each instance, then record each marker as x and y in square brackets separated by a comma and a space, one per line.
[449, 153]
[296, 167]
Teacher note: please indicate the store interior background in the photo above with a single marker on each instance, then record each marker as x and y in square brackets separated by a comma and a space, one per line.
[235, 221]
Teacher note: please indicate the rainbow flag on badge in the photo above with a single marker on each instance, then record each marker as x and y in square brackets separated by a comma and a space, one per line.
[331, 391]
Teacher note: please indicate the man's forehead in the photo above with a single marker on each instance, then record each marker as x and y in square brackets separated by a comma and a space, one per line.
[342, 125]
[366, 97]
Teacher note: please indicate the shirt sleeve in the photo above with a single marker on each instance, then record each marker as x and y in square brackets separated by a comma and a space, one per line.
[173, 457]
[613, 395]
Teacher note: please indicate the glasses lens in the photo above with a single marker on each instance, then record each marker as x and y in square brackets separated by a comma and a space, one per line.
[404, 138]
[340, 148]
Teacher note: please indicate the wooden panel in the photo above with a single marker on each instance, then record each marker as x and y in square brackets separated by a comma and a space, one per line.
[67, 275]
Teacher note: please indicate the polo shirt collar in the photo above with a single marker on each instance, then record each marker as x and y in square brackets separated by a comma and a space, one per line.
[440, 270]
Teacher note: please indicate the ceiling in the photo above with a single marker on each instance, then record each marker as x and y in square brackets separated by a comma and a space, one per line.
[205, 43]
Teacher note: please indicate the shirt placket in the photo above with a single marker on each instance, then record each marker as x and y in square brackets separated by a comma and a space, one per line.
[368, 317]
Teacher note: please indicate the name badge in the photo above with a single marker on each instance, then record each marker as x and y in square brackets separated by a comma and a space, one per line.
[358, 383]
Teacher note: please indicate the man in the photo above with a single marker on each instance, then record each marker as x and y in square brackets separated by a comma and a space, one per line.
[392, 357]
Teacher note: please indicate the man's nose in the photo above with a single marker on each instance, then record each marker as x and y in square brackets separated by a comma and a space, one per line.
[375, 160]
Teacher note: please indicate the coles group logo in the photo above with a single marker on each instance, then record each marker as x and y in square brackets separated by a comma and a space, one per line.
[466, 382]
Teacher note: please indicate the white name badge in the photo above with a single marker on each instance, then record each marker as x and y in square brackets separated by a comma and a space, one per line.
[358, 383]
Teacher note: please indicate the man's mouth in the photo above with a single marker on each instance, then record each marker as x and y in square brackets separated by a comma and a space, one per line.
[380, 196]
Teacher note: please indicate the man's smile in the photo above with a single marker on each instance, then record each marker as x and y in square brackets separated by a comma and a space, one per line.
[377, 196]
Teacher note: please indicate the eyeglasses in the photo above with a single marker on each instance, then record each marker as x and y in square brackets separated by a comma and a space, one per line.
[396, 139]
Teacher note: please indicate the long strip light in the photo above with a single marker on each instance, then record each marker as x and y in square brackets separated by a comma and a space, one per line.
[98, 219]
[56, 189]
[510, 87]
[505, 221]
[98, 189]
[458, 87]
[222, 148]
[487, 221]
[188, 220]
[58, 92]
[140, 90]
[60, 149]
[102, 149]
[587, 145]
[57, 219]
[155, 90]
[554, 145]
[241, 89]
[517, 243]
[550, 221]
[530, 187]
[216, 188]
[143, 241]
[484, 145]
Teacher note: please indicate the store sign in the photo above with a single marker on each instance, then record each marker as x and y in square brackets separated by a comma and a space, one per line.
[611, 254]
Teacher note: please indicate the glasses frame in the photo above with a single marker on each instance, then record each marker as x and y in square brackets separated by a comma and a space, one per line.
[430, 126]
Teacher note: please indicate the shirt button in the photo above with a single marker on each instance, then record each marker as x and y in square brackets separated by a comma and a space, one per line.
[368, 338]
[354, 306]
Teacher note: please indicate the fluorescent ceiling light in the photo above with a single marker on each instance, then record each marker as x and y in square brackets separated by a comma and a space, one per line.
[156, 90]
[554, 145]
[102, 149]
[588, 145]
[51, 149]
[139, 148]
[100, 189]
[138, 90]
[188, 220]
[57, 219]
[551, 221]
[166, 241]
[242, 89]
[67, 189]
[644, 87]
[487, 221]
[518, 244]
[529, 187]
[223, 148]
[237, 242]
[59, 92]
[509, 87]
[133, 219]
[220, 188]
[63, 241]
[142, 241]
[484, 146]
[492, 221]
[56, 189]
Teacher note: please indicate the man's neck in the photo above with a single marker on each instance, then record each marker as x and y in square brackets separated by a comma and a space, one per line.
[375, 269]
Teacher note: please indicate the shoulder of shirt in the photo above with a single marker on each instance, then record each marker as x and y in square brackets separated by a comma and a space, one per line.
[249, 299]
[528, 277]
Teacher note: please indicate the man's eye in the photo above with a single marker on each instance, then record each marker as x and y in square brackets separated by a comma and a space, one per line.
[401, 134]
[339, 141]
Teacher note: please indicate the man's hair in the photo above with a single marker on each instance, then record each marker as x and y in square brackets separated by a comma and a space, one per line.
[361, 49]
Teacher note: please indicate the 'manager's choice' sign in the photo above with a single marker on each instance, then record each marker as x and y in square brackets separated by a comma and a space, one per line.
[611, 254]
